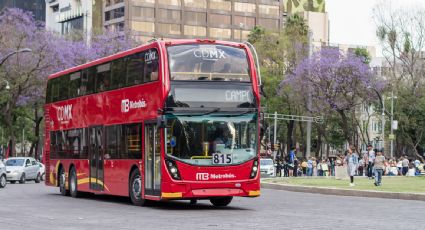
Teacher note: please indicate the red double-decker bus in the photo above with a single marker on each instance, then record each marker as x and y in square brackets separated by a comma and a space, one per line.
[167, 120]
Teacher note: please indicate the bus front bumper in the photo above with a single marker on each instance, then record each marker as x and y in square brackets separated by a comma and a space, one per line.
[207, 190]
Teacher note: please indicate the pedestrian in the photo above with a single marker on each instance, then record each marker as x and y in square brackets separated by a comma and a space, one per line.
[370, 160]
[404, 165]
[310, 167]
[295, 170]
[304, 167]
[361, 166]
[379, 168]
[325, 168]
[352, 161]
[400, 166]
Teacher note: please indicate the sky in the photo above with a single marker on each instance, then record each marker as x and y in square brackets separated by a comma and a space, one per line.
[351, 21]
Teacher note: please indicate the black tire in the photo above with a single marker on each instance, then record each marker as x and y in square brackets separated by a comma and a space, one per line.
[13, 181]
[221, 201]
[23, 179]
[135, 187]
[42, 177]
[37, 179]
[73, 183]
[3, 181]
[62, 182]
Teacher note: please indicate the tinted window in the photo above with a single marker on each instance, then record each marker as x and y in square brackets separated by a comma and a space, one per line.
[119, 72]
[135, 68]
[151, 65]
[133, 140]
[89, 77]
[113, 142]
[74, 142]
[49, 92]
[103, 79]
[55, 89]
[208, 62]
[74, 84]
[63, 87]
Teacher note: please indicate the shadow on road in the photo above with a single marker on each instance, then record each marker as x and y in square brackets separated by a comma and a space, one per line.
[169, 205]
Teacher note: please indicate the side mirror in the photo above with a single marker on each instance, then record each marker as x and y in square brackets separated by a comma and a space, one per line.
[161, 122]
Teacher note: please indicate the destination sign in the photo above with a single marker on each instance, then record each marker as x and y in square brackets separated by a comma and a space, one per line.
[213, 95]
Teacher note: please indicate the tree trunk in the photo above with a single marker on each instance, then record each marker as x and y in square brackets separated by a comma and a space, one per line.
[344, 125]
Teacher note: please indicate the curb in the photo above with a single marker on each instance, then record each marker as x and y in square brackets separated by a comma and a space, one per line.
[344, 192]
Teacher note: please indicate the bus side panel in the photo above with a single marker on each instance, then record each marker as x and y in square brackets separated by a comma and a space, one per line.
[117, 174]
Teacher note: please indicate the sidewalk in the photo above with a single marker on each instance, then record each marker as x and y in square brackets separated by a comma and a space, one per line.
[266, 183]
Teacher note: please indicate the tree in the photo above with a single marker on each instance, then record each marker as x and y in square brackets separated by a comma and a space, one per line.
[336, 82]
[27, 72]
[402, 35]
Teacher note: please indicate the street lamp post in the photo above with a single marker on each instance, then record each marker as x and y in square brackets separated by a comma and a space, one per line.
[392, 123]
[12, 53]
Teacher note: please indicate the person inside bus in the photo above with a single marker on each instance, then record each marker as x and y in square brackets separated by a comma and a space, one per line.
[221, 137]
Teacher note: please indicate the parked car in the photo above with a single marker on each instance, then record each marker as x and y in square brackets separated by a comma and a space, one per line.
[267, 166]
[22, 169]
[42, 171]
[2, 175]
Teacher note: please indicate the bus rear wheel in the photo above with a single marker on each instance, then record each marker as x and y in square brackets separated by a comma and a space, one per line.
[62, 182]
[135, 188]
[73, 189]
[221, 201]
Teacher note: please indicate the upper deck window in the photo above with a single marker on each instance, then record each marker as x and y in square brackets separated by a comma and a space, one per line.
[208, 63]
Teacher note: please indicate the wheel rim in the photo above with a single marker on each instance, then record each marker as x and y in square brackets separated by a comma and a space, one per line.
[73, 185]
[62, 180]
[137, 187]
[3, 181]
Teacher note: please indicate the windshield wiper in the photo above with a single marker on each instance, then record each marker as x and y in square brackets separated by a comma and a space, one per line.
[238, 114]
[201, 114]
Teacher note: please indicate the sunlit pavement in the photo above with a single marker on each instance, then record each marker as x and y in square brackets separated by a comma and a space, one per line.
[35, 206]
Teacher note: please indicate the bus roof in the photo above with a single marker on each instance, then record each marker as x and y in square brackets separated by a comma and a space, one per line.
[140, 48]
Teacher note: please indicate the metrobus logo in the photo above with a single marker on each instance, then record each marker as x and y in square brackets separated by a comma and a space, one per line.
[126, 105]
[64, 113]
[213, 176]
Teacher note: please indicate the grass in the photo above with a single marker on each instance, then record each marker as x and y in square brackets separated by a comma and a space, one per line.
[389, 184]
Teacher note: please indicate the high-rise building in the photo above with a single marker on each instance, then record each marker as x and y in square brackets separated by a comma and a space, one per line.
[68, 16]
[37, 7]
[215, 19]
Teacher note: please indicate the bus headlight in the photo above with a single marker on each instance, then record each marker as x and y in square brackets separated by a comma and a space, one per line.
[254, 169]
[172, 169]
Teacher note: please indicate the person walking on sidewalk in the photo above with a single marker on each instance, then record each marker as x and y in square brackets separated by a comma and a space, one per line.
[379, 168]
[371, 159]
[352, 161]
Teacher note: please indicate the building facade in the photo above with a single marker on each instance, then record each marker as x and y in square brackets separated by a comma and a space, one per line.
[214, 19]
[68, 16]
[37, 7]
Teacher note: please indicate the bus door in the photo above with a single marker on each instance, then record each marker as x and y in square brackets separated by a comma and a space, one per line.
[96, 143]
[152, 160]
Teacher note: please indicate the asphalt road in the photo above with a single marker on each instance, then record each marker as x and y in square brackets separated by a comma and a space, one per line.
[35, 206]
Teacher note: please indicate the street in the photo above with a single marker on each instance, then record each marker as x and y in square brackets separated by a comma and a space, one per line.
[36, 206]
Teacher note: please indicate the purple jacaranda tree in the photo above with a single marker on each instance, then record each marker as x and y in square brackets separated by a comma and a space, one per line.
[27, 73]
[331, 81]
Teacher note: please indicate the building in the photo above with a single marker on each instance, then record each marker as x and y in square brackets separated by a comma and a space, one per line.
[37, 7]
[215, 19]
[68, 16]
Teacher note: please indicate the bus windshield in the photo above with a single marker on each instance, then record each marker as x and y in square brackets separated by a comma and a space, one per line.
[194, 139]
[208, 63]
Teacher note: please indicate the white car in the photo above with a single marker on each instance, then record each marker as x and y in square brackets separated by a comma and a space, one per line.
[267, 166]
[22, 169]
[2, 175]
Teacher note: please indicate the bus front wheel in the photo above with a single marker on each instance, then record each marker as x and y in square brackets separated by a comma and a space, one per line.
[221, 201]
[135, 187]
